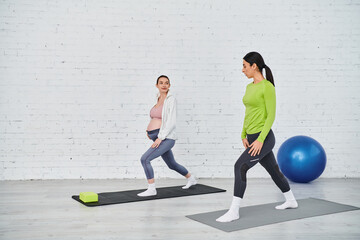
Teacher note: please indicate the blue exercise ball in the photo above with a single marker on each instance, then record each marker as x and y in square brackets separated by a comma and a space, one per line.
[302, 159]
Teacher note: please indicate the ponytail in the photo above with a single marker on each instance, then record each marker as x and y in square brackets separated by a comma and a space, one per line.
[269, 75]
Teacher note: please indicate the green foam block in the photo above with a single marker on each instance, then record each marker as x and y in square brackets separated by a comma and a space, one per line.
[88, 197]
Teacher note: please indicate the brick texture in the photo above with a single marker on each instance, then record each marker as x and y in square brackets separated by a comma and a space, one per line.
[77, 82]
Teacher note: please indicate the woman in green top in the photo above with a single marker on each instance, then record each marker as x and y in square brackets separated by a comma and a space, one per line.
[257, 136]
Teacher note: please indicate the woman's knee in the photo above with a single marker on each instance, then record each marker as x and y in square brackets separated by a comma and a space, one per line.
[241, 161]
[143, 160]
[171, 166]
[241, 169]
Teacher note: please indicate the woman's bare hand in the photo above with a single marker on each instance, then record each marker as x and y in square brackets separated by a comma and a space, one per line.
[255, 148]
[156, 144]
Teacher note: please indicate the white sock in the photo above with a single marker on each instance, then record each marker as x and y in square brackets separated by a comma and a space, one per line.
[151, 186]
[151, 191]
[289, 203]
[233, 213]
[191, 181]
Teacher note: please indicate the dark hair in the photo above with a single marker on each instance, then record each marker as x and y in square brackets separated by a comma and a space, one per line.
[162, 76]
[255, 57]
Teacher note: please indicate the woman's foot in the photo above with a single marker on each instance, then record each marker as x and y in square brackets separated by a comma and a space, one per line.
[148, 193]
[191, 182]
[233, 213]
[229, 216]
[290, 201]
[151, 191]
[288, 204]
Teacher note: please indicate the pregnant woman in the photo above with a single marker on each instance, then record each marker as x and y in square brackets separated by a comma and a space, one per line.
[161, 130]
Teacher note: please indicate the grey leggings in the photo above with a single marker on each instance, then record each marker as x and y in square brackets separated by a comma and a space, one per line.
[266, 159]
[163, 150]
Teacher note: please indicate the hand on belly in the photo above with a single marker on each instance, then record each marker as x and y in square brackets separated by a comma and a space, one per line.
[155, 123]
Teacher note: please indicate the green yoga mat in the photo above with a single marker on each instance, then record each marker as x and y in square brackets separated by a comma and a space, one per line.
[260, 215]
[107, 198]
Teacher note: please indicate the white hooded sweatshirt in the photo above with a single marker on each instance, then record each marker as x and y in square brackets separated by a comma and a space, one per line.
[168, 122]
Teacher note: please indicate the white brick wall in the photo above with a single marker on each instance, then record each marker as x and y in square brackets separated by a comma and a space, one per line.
[77, 81]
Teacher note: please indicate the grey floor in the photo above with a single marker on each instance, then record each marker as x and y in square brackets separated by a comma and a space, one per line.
[44, 210]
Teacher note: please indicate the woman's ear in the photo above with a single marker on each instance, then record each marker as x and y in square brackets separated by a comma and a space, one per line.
[254, 66]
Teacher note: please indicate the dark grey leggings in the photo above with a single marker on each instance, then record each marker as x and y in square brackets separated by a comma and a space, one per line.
[164, 150]
[266, 159]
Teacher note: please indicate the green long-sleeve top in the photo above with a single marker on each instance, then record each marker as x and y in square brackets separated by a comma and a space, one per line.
[260, 104]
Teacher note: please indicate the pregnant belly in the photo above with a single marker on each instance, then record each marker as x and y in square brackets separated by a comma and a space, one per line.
[155, 123]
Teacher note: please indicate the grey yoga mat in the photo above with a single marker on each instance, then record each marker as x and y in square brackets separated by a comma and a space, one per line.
[260, 215]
